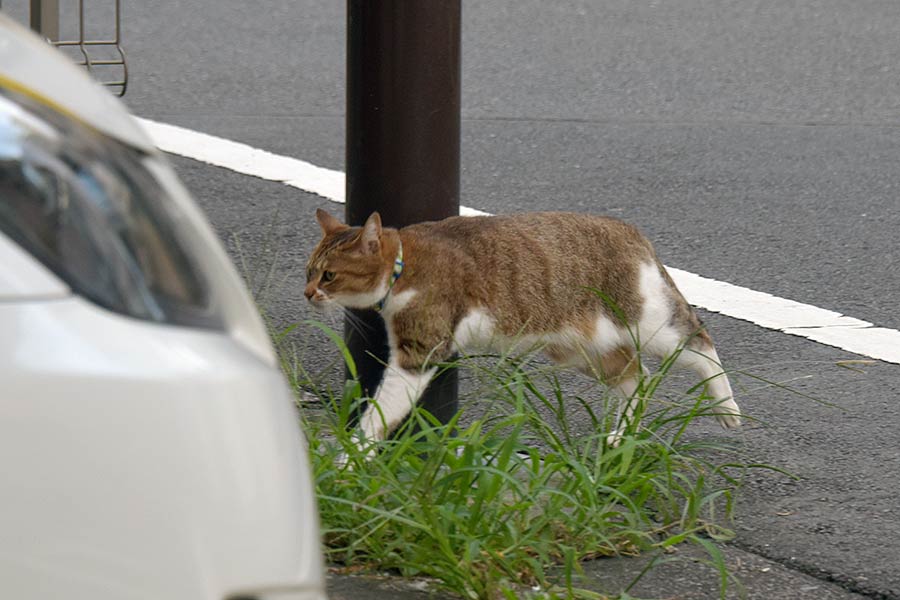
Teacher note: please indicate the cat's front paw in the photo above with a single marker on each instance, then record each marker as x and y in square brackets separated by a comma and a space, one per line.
[362, 448]
[615, 438]
[342, 462]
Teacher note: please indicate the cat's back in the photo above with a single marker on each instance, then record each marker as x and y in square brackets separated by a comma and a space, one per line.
[532, 271]
[538, 233]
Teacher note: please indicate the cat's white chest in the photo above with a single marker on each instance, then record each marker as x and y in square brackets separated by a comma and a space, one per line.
[394, 303]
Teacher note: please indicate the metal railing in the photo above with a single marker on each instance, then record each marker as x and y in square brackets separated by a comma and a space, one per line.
[103, 58]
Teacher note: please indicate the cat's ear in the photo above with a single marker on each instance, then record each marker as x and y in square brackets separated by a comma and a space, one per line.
[371, 235]
[328, 223]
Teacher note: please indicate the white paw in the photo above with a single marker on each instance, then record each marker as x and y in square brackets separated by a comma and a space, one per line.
[614, 439]
[342, 462]
[728, 414]
[365, 448]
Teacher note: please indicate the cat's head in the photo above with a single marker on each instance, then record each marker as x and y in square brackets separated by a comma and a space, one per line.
[347, 266]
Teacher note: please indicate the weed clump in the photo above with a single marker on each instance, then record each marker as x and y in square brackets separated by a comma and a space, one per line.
[507, 502]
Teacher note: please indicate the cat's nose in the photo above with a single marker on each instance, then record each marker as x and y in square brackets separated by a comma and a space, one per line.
[310, 291]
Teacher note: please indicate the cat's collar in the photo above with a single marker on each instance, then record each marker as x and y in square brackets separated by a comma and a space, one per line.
[395, 275]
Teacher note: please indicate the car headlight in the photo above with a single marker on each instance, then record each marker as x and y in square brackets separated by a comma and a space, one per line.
[84, 205]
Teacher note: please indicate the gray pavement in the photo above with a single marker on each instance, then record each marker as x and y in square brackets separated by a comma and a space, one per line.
[754, 142]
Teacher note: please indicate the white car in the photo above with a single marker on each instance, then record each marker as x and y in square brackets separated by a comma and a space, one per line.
[149, 446]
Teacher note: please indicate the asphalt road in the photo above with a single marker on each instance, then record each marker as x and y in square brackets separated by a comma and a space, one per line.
[755, 142]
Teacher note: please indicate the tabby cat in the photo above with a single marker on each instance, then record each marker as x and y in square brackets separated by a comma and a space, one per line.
[487, 282]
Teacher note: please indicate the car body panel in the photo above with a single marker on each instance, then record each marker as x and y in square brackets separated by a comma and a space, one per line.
[146, 461]
[23, 278]
[242, 319]
[141, 460]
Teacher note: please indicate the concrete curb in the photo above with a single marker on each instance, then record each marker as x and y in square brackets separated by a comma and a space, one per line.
[684, 575]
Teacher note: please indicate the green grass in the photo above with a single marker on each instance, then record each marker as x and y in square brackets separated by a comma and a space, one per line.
[507, 499]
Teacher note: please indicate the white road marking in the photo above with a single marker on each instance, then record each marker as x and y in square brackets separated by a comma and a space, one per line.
[788, 316]
[246, 159]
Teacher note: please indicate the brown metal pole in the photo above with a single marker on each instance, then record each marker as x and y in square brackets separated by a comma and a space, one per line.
[403, 132]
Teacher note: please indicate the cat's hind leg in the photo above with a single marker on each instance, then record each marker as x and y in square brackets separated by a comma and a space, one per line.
[618, 368]
[700, 356]
[621, 370]
[668, 326]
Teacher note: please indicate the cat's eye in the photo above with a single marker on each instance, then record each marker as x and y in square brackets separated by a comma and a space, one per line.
[327, 276]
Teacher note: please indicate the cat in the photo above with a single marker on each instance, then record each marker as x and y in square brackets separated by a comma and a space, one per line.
[488, 282]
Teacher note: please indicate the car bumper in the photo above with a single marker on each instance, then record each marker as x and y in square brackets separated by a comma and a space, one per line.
[146, 461]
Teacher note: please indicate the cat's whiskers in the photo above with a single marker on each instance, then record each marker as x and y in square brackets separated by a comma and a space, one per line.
[332, 307]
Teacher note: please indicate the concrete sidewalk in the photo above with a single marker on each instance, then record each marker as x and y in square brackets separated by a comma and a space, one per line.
[683, 576]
